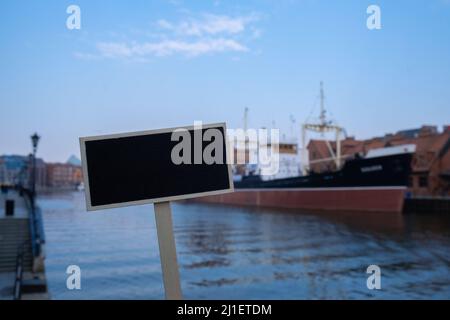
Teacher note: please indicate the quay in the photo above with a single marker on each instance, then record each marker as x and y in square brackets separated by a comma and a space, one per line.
[427, 205]
[22, 242]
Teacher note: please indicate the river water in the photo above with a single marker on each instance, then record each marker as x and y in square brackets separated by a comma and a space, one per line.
[245, 253]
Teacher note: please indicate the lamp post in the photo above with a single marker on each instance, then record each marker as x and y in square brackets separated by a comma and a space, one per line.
[34, 141]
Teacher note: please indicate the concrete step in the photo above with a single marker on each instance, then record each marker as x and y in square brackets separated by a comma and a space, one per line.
[11, 267]
[6, 229]
[12, 223]
[34, 286]
[14, 248]
[13, 251]
[8, 256]
[12, 257]
[9, 260]
[27, 266]
[19, 231]
[13, 234]
[15, 242]
[14, 245]
[11, 254]
[9, 263]
[10, 241]
[13, 228]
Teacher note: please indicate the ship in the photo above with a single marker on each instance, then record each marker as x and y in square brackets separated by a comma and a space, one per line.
[376, 181]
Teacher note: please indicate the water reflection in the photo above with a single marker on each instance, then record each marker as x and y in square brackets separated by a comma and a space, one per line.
[234, 252]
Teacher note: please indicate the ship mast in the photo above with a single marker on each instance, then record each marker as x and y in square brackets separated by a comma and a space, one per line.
[245, 120]
[322, 127]
[322, 105]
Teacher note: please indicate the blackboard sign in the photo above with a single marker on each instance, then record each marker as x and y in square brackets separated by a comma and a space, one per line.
[155, 166]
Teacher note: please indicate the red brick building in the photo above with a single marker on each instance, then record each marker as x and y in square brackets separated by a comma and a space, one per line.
[430, 166]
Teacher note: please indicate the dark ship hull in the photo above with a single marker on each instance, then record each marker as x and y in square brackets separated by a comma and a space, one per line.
[364, 184]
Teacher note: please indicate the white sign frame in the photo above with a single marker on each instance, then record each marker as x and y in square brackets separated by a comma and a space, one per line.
[89, 206]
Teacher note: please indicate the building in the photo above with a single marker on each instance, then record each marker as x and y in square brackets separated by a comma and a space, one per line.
[64, 175]
[430, 166]
[15, 169]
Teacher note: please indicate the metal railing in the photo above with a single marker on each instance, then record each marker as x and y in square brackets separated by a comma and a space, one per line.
[37, 234]
[17, 293]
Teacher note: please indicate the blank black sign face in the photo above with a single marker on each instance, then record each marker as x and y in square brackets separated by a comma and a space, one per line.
[139, 168]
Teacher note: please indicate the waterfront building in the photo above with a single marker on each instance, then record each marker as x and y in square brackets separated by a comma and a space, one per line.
[64, 175]
[16, 169]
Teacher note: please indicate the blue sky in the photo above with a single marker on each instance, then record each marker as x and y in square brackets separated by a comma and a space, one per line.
[138, 65]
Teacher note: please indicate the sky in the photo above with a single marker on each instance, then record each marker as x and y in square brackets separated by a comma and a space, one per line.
[142, 65]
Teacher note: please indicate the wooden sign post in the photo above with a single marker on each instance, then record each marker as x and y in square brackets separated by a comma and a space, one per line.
[157, 166]
[167, 251]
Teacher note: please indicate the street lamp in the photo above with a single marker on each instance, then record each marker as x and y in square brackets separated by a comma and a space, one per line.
[34, 141]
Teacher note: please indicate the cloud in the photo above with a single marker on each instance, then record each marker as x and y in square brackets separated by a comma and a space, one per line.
[169, 47]
[207, 34]
[209, 24]
[164, 24]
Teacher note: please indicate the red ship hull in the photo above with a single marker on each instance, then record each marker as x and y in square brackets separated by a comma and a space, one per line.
[375, 199]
